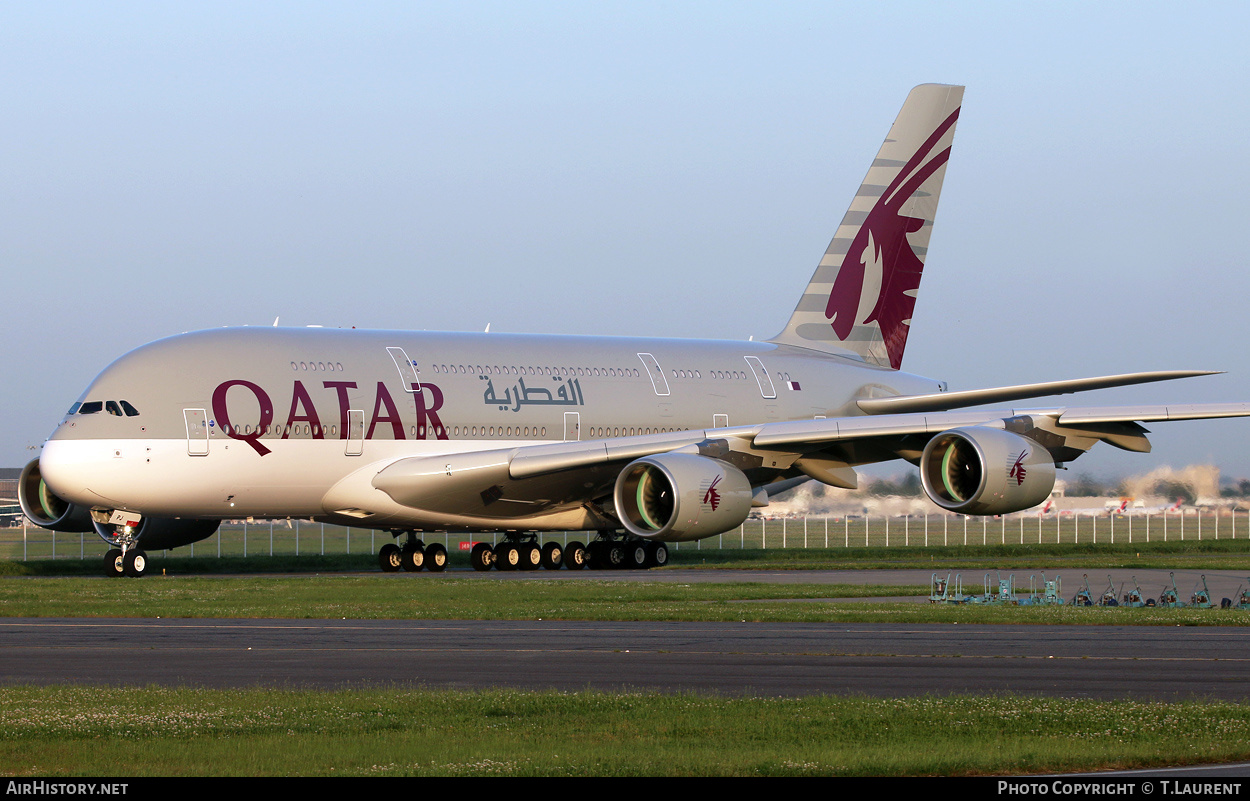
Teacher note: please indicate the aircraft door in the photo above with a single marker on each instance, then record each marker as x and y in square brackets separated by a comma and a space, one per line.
[572, 426]
[197, 431]
[407, 369]
[761, 377]
[658, 382]
[355, 432]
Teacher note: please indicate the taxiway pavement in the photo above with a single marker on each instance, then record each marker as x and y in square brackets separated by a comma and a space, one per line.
[772, 659]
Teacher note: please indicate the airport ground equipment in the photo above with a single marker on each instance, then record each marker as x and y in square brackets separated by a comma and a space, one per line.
[1004, 594]
[1051, 592]
[1134, 597]
[944, 591]
[1201, 598]
[1170, 598]
[1108, 595]
[1240, 601]
[1084, 596]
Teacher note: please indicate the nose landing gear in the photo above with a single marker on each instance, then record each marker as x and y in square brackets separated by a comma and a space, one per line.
[121, 531]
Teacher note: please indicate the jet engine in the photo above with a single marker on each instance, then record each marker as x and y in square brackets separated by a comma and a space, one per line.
[675, 497]
[46, 509]
[986, 471]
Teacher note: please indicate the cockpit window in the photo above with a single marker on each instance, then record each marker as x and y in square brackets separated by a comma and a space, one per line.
[116, 408]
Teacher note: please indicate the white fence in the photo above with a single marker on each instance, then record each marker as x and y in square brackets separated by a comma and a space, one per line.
[303, 537]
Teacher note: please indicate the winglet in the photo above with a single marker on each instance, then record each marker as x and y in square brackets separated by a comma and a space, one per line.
[860, 299]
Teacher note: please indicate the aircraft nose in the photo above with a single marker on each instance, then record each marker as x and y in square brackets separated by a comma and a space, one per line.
[68, 467]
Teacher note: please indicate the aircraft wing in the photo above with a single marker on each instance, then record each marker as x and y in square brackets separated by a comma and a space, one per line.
[943, 401]
[521, 482]
[803, 432]
[814, 434]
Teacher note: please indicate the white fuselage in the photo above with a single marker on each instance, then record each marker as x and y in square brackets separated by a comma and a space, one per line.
[273, 422]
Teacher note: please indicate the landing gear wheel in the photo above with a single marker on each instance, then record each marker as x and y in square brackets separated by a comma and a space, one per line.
[552, 556]
[135, 563]
[413, 559]
[657, 553]
[575, 556]
[614, 556]
[481, 557]
[636, 556]
[113, 567]
[390, 558]
[531, 556]
[596, 555]
[435, 558]
[507, 556]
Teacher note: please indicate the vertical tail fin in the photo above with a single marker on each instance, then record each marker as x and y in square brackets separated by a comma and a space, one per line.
[860, 299]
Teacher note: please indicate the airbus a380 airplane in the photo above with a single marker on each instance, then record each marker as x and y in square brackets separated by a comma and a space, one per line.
[644, 441]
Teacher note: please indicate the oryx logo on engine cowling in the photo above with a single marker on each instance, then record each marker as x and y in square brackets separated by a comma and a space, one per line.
[1017, 470]
[712, 497]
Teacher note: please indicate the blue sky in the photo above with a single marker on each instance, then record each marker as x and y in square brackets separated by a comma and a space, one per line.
[671, 169]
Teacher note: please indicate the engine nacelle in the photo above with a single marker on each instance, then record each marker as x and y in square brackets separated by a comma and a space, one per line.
[675, 497]
[46, 509]
[986, 471]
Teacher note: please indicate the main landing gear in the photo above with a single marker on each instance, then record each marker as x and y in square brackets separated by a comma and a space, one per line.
[610, 553]
[521, 552]
[412, 556]
[611, 550]
[606, 553]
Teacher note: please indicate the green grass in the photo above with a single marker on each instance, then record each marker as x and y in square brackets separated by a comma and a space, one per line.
[398, 732]
[424, 596]
[443, 597]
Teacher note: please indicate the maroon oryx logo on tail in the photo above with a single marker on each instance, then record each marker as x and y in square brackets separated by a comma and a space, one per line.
[882, 242]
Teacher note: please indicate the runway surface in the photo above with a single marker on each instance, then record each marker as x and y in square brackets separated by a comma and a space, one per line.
[1145, 662]
[730, 658]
